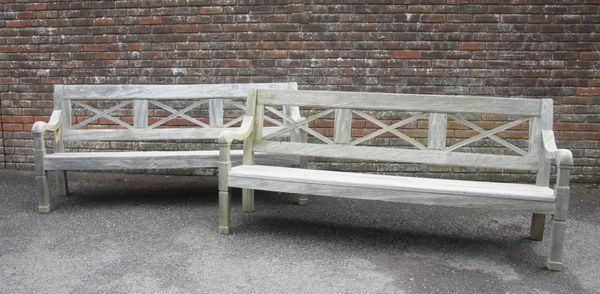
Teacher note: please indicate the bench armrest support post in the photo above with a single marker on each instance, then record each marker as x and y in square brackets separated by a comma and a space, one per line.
[564, 162]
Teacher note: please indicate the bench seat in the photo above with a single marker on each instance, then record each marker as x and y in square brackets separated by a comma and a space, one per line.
[150, 160]
[394, 188]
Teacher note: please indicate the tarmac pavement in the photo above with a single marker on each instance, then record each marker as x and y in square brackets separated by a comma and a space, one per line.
[128, 233]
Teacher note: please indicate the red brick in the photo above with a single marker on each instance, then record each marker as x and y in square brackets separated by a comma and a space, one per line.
[133, 46]
[588, 91]
[150, 20]
[12, 127]
[413, 54]
[103, 21]
[471, 46]
[17, 23]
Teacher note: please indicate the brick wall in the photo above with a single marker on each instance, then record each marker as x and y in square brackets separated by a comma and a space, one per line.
[521, 48]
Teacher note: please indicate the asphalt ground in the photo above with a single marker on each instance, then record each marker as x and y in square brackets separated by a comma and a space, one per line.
[131, 233]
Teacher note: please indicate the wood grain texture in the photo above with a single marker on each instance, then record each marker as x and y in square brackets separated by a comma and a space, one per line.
[165, 92]
[398, 155]
[401, 102]
[396, 183]
[436, 133]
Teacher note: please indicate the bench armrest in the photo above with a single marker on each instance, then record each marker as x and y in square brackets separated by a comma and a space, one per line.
[562, 157]
[227, 136]
[52, 125]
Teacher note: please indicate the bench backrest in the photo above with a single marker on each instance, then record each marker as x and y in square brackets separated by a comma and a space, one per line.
[343, 110]
[147, 112]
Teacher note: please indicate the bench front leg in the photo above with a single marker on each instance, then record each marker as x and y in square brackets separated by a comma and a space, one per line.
[224, 194]
[559, 218]
[41, 179]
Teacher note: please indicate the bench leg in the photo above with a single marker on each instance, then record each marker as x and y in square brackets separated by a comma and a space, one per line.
[62, 188]
[248, 200]
[42, 191]
[224, 212]
[557, 236]
[536, 232]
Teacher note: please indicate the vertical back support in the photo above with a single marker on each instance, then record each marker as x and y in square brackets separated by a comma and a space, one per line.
[436, 135]
[140, 113]
[342, 126]
[215, 109]
[60, 176]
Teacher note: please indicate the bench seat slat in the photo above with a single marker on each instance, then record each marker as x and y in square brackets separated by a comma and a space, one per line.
[392, 188]
[150, 160]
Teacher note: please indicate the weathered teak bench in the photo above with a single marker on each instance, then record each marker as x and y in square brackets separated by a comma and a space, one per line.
[534, 154]
[140, 113]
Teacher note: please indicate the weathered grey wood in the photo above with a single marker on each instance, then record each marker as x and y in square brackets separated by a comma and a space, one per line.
[140, 113]
[436, 135]
[151, 160]
[342, 131]
[404, 102]
[140, 96]
[398, 155]
[386, 182]
[165, 92]
[391, 128]
[215, 112]
[536, 232]
[98, 114]
[545, 123]
[148, 134]
[392, 196]
[178, 113]
[40, 173]
[488, 134]
[537, 199]
[224, 194]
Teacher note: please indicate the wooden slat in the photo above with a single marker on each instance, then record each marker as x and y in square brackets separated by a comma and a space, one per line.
[342, 128]
[107, 92]
[488, 134]
[436, 133]
[393, 188]
[178, 113]
[391, 128]
[148, 134]
[215, 112]
[402, 102]
[399, 155]
[152, 160]
[104, 113]
[140, 113]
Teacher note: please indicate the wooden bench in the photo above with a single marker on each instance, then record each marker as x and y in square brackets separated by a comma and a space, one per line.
[394, 114]
[137, 113]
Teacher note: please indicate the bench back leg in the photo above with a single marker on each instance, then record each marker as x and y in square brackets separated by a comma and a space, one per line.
[62, 188]
[538, 221]
[248, 200]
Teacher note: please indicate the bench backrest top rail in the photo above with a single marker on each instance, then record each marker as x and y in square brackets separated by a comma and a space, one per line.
[403, 102]
[166, 92]
[135, 101]
[438, 109]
